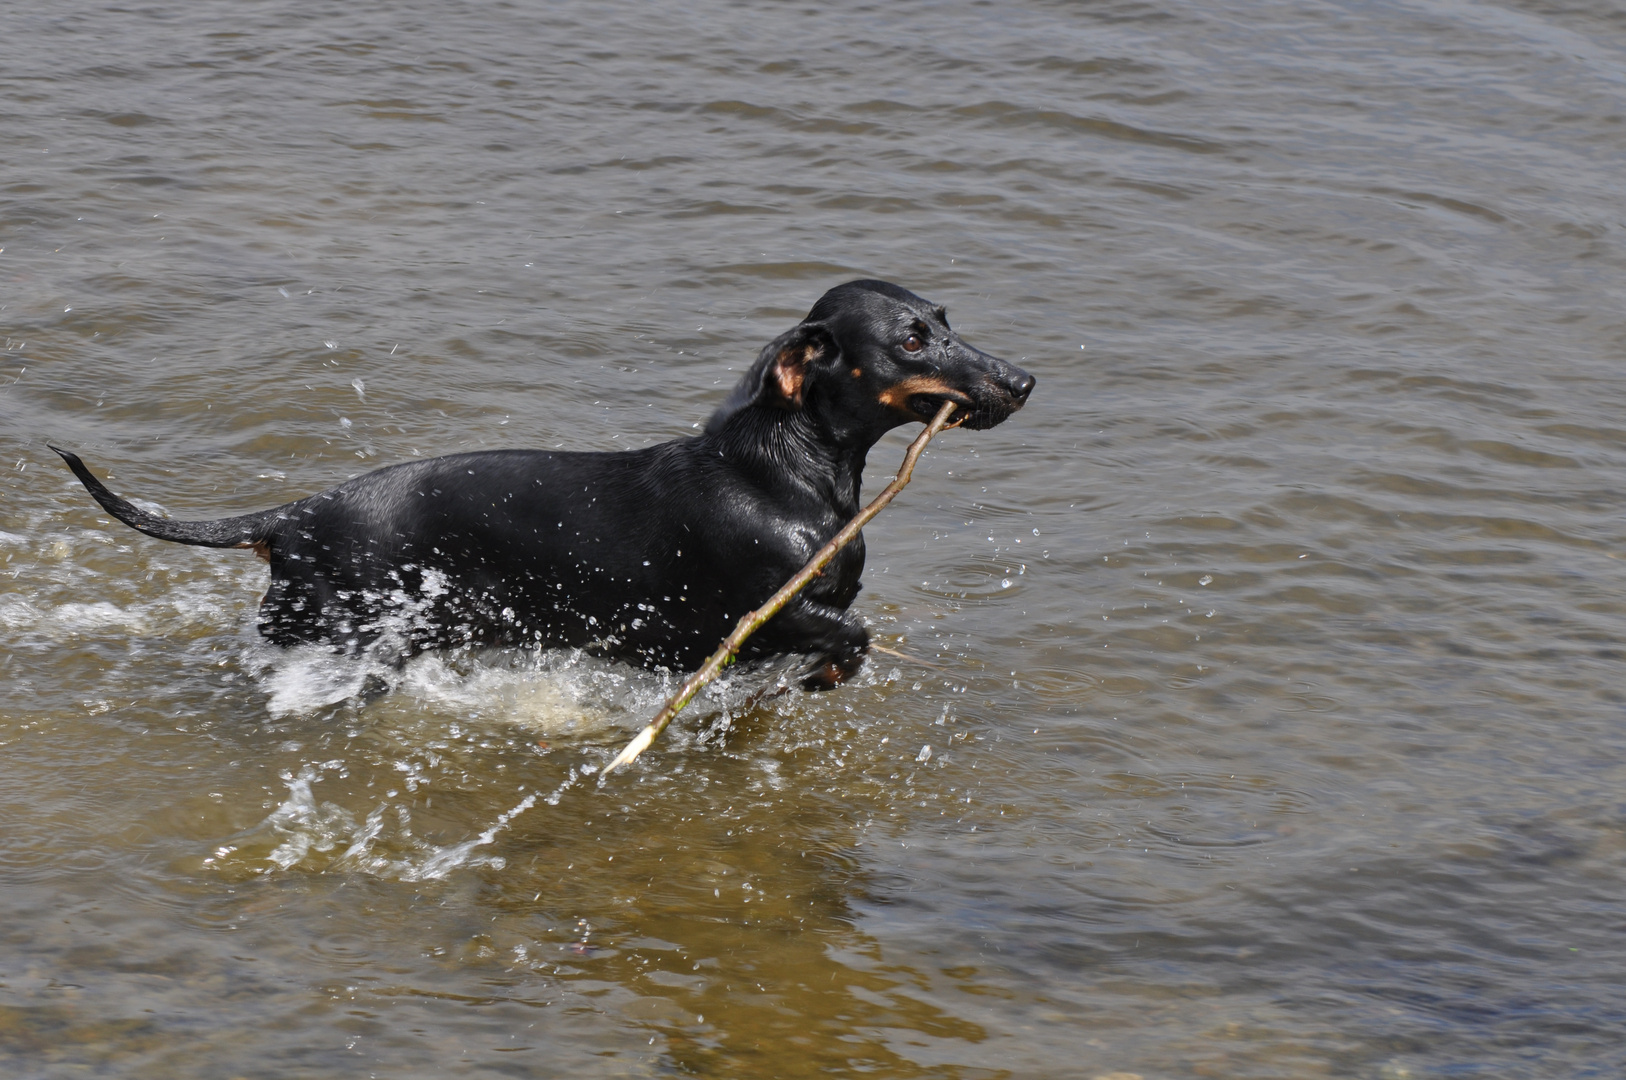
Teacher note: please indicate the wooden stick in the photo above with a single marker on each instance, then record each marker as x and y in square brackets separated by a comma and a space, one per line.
[752, 621]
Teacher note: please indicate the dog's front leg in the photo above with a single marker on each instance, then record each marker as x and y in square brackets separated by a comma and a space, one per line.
[836, 636]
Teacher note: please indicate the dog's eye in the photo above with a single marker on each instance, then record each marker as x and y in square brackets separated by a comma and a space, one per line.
[912, 343]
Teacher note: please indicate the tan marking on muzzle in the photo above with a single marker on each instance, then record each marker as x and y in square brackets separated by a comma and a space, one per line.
[898, 394]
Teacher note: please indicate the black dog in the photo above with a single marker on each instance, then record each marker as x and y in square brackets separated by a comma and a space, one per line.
[648, 554]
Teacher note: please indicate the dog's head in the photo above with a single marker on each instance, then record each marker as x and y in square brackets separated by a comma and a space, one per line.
[871, 356]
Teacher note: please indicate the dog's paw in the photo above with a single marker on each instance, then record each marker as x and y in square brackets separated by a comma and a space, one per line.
[831, 673]
[373, 687]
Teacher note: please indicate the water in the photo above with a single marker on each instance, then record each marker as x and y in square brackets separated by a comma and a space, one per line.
[1268, 661]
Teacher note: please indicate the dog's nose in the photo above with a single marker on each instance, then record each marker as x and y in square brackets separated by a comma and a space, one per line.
[1020, 385]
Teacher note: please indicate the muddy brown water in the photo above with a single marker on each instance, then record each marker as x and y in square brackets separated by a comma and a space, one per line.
[1264, 708]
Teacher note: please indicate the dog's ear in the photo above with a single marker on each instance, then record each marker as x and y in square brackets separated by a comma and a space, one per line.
[788, 361]
[781, 372]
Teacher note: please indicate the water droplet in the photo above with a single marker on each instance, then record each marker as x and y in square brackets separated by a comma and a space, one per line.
[1005, 584]
[925, 753]
[1205, 579]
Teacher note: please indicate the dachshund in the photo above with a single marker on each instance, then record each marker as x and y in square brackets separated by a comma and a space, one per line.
[648, 555]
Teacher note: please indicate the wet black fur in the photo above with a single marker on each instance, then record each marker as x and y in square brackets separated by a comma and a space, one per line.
[649, 554]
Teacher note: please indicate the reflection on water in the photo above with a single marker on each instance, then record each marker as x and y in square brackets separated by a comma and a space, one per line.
[1256, 705]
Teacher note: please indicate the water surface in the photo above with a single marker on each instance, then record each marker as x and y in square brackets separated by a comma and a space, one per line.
[1261, 714]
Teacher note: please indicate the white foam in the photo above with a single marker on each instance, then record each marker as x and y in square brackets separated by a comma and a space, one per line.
[62, 620]
[305, 678]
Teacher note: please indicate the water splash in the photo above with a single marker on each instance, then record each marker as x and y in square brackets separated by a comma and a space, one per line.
[323, 836]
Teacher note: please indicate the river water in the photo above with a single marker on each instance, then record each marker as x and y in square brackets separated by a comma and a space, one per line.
[1261, 712]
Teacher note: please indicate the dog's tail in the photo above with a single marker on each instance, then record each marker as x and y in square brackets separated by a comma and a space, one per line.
[248, 531]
